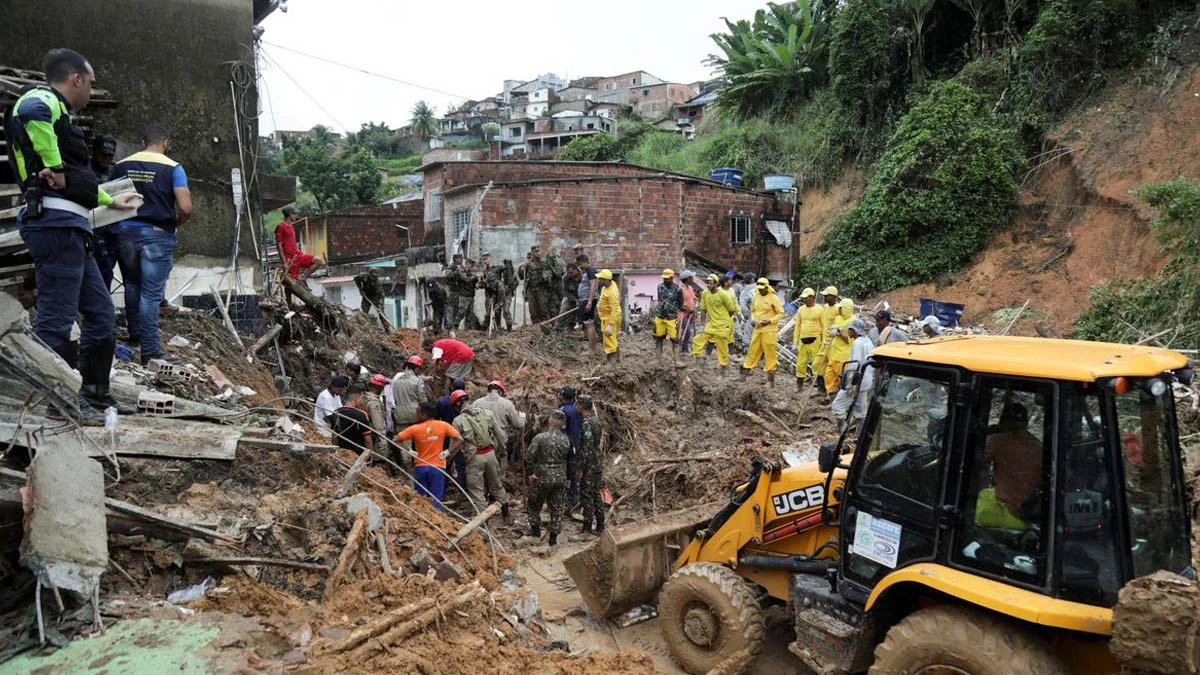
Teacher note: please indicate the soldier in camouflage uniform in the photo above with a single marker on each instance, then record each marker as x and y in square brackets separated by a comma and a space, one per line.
[461, 282]
[496, 299]
[546, 463]
[538, 284]
[510, 290]
[588, 468]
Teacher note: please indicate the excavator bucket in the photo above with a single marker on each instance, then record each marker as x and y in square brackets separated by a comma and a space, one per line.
[623, 570]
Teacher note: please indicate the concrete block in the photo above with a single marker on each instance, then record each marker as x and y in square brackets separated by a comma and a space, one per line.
[66, 538]
[155, 403]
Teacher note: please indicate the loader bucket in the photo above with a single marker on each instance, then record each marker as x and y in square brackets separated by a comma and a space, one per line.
[625, 569]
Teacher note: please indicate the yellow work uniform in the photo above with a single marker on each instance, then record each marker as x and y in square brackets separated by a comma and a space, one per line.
[829, 314]
[808, 334]
[608, 309]
[838, 354]
[766, 308]
[719, 308]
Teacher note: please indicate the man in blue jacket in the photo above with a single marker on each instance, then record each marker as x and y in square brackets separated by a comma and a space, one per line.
[146, 242]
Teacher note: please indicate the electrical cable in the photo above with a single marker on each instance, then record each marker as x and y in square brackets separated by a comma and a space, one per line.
[368, 72]
[305, 91]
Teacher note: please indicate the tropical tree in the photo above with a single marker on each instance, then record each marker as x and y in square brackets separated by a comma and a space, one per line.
[335, 179]
[775, 61]
[424, 121]
[918, 13]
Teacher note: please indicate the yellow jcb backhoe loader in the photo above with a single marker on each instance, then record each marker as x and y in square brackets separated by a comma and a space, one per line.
[1001, 492]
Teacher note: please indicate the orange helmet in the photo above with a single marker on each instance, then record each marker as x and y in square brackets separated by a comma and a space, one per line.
[498, 384]
[457, 395]
[379, 380]
[416, 361]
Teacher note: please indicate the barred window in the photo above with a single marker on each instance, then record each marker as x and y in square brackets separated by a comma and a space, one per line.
[739, 230]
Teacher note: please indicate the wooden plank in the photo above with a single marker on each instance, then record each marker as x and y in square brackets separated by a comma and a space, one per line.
[127, 509]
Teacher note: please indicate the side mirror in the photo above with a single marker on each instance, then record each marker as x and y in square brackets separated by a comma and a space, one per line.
[827, 457]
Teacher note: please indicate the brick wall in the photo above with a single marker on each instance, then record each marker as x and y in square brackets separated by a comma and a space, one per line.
[639, 224]
[368, 232]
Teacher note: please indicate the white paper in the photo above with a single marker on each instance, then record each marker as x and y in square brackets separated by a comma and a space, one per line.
[103, 215]
[877, 539]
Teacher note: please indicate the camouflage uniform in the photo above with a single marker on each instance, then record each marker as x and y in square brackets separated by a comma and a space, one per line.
[556, 269]
[496, 296]
[462, 297]
[537, 290]
[510, 289]
[546, 459]
[378, 418]
[590, 464]
[370, 289]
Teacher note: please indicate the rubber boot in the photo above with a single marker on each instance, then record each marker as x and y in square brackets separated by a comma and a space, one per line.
[505, 513]
[820, 384]
[609, 358]
[554, 539]
[535, 530]
[95, 367]
[799, 384]
[586, 529]
[771, 379]
[675, 358]
[599, 522]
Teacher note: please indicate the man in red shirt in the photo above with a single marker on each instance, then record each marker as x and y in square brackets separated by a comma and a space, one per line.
[453, 358]
[428, 435]
[294, 260]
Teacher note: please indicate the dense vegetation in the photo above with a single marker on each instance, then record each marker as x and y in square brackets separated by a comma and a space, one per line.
[943, 99]
[1163, 307]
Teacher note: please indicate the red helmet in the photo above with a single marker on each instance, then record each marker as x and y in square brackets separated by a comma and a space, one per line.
[416, 361]
[456, 395]
[498, 384]
[379, 380]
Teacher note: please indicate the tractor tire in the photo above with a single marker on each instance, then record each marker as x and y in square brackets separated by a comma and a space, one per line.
[962, 641]
[708, 614]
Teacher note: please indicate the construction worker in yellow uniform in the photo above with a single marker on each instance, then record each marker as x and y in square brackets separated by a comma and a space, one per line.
[808, 335]
[717, 308]
[839, 347]
[829, 313]
[608, 310]
[766, 311]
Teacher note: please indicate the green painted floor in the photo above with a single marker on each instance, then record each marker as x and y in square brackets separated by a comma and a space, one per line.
[139, 647]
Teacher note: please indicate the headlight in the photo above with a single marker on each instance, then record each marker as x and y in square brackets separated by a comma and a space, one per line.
[1157, 387]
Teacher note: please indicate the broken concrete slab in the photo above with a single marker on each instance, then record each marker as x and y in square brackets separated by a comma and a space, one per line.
[66, 537]
[144, 436]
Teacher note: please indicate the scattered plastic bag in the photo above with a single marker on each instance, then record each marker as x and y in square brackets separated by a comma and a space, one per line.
[179, 341]
[191, 593]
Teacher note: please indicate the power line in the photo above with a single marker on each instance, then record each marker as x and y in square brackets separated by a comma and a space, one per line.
[305, 92]
[368, 72]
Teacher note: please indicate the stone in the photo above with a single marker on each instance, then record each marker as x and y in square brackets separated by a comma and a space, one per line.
[448, 570]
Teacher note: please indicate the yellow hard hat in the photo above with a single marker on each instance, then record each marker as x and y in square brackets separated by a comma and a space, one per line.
[848, 305]
[668, 274]
[830, 290]
[604, 274]
[807, 293]
[714, 278]
[763, 281]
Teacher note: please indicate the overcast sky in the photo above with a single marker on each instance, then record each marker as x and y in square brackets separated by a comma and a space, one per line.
[466, 49]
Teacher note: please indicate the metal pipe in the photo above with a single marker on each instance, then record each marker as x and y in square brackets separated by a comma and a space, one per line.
[790, 563]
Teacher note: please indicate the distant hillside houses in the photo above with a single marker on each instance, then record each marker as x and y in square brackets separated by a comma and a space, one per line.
[535, 118]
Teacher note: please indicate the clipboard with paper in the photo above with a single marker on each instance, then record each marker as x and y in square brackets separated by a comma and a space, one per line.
[105, 215]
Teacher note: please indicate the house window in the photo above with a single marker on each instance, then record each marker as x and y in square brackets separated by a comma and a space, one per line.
[645, 92]
[514, 132]
[633, 80]
[433, 206]
[591, 125]
[739, 230]
[461, 220]
[333, 295]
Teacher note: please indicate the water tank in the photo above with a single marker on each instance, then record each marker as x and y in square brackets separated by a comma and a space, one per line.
[777, 183]
[727, 176]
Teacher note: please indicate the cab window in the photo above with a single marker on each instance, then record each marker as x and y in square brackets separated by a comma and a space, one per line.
[1158, 526]
[1006, 493]
[904, 455]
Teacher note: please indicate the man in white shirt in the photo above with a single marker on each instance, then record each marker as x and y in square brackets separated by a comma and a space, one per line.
[861, 348]
[327, 402]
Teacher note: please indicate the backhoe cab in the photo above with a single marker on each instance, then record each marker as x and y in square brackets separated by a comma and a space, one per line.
[1000, 493]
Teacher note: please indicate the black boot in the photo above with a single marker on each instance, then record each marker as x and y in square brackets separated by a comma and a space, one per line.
[504, 513]
[553, 538]
[95, 366]
[586, 529]
[87, 416]
[535, 530]
[599, 522]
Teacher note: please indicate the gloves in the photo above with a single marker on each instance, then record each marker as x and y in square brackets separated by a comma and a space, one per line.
[608, 330]
[443, 455]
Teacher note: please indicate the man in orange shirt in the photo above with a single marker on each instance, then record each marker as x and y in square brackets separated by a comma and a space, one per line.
[428, 436]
